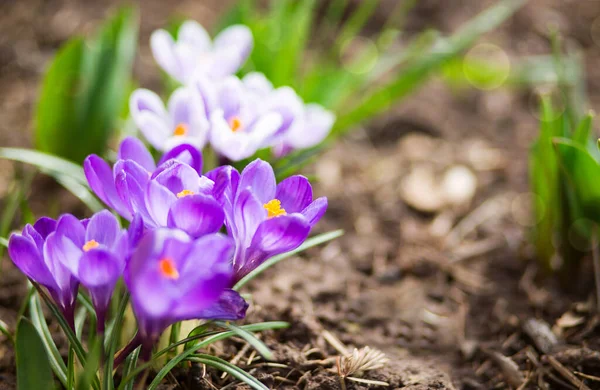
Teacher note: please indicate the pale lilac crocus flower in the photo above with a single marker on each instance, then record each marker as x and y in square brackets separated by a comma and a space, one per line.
[184, 121]
[238, 128]
[306, 125]
[194, 53]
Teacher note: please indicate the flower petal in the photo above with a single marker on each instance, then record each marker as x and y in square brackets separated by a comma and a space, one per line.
[26, 256]
[101, 180]
[230, 306]
[163, 50]
[192, 33]
[45, 226]
[274, 236]
[257, 83]
[197, 215]
[144, 101]
[248, 214]
[186, 154]
[259, 176]
[238, 39]
[70, 227]
[62, 257]
[133, 149]
[158, 202]
[295, 193]
[314, 211]
[316, 126]
[103, 228]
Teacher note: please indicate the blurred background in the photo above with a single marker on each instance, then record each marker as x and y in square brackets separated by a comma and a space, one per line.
[432, 191]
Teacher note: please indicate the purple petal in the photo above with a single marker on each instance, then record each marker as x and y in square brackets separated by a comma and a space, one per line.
[274, 236]
[259, 176]
[98, 268]
[133, 149]
[186, 154]
[179, 107]
[314, 211]
[230, 97]
[136, 230]
[248, 213]
[295, 193]
[26, 256]
[72, 228]
[318, 123]
[45, 226]
[197, 215]
[257, 83]
[101, 180]
[287, 103]
[103, 228]
[179, 177]
[204, 94]
[131, 190]
[231, 307]
[62, 256]
[158, 202]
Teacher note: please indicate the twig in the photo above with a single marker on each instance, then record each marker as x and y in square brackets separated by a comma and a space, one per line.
[568, 375]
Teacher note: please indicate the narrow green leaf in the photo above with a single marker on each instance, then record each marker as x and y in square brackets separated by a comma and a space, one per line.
[45, 161]
[33, 367]
[39, 321]
[190, 351]
[584, 174]
[415, 74]
[229, 368]
[314, 241]
[356, 22]
[6, 332]
[71, 369]
[112, 335]
[250, 339]
[583, 131]
[83, 90]
[130, 363]
[4, 242]
[91, 366]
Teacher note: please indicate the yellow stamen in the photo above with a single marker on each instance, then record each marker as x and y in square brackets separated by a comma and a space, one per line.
[184, 193]
[180, 130]
[91, 244]
[274, 208]
[235, 123]
[168, 269]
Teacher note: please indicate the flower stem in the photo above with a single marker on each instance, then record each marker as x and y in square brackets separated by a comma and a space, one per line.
[135, 342]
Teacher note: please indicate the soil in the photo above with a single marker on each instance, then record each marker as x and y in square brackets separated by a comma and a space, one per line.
[448, 290]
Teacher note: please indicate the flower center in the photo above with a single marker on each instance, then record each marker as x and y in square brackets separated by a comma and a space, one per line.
[274, 208]
[168, 269]
[180, 130]
[91, 244]
[235, 123]
[184, 193]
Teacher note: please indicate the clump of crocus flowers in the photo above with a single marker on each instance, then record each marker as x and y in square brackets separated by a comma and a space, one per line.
[191, 235]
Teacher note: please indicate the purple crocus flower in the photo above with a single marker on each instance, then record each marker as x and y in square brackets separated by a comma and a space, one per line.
[28, 252]
[305, 125]
[93, 251]
[185, 121]
[264, 218]
[120, 187]
[238, 127]
[194, 53]
[172, 278]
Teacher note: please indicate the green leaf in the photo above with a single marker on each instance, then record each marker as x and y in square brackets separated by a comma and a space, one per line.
[130, 363]
[583, 131]
[229, 368]
[84, 90]
[33, 367]
[250, 339]
[314, 241]
[584, 174]
[414, 75]
[39, 321]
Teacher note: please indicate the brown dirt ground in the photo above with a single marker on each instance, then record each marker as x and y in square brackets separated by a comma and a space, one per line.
[452, 296]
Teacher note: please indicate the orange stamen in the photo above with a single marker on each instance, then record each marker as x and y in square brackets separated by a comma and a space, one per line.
[91, 244]
[168, 269]
[235, 123]
[180, 130]
[184, 193]
[274, 208]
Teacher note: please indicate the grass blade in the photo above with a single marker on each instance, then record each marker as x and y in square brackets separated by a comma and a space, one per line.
[33, 365]
[45, 161]
[314, 241]
[39, 321]
[130, 363]
[250, 339]
[229, 368]
[415, 74]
